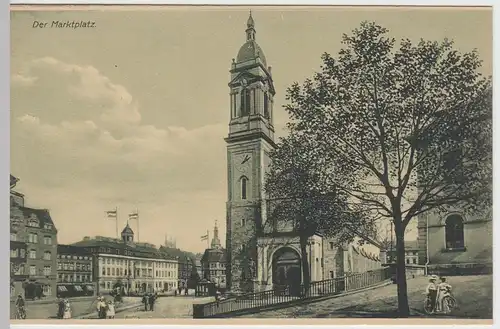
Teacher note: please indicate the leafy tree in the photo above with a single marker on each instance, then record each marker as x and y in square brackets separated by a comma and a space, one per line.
[401, 129]
[300, 201]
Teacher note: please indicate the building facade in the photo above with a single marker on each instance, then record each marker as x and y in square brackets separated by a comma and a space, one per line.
[261, 254]
[74, 271]
[213, 262]
[138, 267]
[412, 252]
[455, 238]
[33, 233]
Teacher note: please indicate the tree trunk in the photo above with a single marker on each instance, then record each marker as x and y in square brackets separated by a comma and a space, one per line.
[305, 263]
[403, 307]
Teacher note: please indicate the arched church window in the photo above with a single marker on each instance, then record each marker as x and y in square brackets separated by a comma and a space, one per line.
[244, 187]
[266, 105]
[454, 232]
[245, 102]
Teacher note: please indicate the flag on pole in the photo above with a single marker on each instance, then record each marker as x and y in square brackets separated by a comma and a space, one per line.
[111, 214]
[133, 215]
[204, 237]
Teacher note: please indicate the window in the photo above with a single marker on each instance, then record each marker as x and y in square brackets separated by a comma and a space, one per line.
[331, 275]
[47, 240]
[47, 270]
[266, 105]
[13, 236]
[13, 253]
[245, 102]
[47, 290]
[32, 254]
[59, 266]
[407, 261]
[33, 222]
[244, 181]
[22, 253]
[243, 222]
[414, 260]
[454, 232]
[32, 270]
[33, 238]
[103, 271]
[108, 271]
[47, 255]
[331, 245]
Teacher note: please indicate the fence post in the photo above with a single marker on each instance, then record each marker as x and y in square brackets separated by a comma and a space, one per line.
[198, 311]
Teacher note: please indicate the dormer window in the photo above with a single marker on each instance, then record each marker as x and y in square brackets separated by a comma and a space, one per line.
[33, 221]
[47, 226]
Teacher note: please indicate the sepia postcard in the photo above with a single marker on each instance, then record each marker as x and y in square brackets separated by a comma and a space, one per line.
[315, 164]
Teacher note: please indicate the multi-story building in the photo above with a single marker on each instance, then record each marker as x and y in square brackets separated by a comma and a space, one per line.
[213, 262]
[411, 253]
[33, 231]
[138, 267]
[74, 271]
[185, 270]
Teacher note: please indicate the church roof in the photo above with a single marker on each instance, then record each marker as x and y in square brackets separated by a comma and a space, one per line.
[249, 51]
[127, 230]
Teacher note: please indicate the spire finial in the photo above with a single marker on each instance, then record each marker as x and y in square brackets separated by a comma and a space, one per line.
[250, 22]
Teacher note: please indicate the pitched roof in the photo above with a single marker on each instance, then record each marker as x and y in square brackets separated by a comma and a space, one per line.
[42, 215]
[214, 256]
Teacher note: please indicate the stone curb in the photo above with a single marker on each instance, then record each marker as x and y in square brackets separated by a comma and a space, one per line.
[119, 310]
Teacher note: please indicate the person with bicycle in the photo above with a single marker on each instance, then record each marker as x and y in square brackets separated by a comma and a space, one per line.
[20, 307]
[431, 292]
[444, 292]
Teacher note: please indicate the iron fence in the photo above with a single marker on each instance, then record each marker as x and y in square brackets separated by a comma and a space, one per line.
[288, 293]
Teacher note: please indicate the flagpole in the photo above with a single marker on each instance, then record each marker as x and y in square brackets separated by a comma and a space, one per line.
[208, 240]
[137, 212]
[116, 220]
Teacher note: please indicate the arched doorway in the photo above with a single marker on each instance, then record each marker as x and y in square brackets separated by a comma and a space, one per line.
[287, 270]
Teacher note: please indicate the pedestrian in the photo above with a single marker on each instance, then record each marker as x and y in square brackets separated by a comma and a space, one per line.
[431, 292]
[444, 290]
[67, 309]
[145, 300]
[60, 309]
[110, 314]
[185, 291]
[152, 300]
[101, 307]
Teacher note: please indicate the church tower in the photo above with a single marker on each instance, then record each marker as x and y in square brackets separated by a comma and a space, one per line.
[250, 139]
[215, 244]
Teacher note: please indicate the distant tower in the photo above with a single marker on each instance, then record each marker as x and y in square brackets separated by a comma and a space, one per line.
[249, 142]
[215, 240]
[127, 234]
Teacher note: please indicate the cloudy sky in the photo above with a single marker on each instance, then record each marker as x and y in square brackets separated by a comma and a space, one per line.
[133, 112]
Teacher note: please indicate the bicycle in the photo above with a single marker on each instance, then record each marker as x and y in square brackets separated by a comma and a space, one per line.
[20, 313]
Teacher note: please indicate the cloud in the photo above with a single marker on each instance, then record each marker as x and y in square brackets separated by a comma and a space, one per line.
[86, 141]
[21, 80]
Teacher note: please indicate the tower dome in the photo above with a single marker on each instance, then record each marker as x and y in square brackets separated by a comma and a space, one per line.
[250, 49]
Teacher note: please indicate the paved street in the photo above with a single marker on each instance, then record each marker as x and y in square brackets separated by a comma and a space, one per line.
[166, 307]
[47, 310]
[473, 293]
[85, 305]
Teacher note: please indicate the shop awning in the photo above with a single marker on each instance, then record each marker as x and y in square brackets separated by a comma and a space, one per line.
[62, 289]
[78, 288]
[91, 288]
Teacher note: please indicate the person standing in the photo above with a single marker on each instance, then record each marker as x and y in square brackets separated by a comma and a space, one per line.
[60, 311]
[431, 292]
[145, 300]
[67, 309]
[152, 300]
[110, 314]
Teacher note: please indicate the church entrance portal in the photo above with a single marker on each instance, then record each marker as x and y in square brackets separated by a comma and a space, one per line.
[287, 270]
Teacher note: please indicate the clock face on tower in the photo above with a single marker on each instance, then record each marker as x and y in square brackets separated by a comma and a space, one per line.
[243, 162]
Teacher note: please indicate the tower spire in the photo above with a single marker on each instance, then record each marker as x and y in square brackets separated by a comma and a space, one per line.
[215, 240]
[250, 27]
